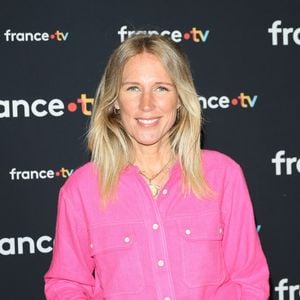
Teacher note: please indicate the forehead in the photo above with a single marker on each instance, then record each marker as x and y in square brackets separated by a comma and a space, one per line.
[144, 63]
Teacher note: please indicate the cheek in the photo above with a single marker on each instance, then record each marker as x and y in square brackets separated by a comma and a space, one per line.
[126, 109]
[170, 108]
[127, 104]
[127, 112]
[172, 117]
[127, 117]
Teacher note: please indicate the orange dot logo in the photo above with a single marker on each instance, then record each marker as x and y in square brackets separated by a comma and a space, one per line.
[72, 107]
[186, 36]
[234, 101]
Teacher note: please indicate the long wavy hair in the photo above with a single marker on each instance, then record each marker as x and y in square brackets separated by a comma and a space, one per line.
[110, 145]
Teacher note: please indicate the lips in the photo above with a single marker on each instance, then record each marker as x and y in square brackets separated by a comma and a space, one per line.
[147, 122]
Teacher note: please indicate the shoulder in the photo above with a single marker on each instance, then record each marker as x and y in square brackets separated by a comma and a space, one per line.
[212, 159]
[83, 178]
[219, 169]
[226, 178]
[80, 191]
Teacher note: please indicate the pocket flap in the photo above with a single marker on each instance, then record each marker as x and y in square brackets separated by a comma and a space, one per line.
[111, 237]
[201, 227]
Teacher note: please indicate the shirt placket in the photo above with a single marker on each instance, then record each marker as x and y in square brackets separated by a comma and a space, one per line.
[157, 241]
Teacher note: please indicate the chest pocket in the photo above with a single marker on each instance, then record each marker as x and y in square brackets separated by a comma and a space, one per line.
[201, 249]
[118, 263]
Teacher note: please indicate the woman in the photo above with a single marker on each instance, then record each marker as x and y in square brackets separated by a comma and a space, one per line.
[153, 216]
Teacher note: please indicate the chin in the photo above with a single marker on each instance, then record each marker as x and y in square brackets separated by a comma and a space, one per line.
[148, 140]
[148, 143]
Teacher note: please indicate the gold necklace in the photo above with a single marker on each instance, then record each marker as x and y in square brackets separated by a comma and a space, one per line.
[154, 187]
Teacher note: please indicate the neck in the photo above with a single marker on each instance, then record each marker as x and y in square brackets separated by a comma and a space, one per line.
[152, 158]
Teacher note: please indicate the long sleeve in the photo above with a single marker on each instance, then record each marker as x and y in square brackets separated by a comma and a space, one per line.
[70, 274]
[244, 258]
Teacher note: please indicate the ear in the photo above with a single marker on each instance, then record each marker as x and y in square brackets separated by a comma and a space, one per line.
[116, 105]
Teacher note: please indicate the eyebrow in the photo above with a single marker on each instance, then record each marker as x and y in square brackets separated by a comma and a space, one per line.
[137, 83]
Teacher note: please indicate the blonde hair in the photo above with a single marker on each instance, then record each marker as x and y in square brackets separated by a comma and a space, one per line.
[108, 142]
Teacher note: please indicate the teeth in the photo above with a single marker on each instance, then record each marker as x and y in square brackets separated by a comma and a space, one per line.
[147, 122]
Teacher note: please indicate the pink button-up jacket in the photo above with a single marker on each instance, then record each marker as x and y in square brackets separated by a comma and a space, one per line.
[174, 247]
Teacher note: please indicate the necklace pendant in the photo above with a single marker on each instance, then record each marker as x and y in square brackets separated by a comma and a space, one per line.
[154, 188]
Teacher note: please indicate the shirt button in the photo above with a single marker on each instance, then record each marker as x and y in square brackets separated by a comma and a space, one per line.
[161, 263]
[165, 191]
[127, 239]
[167, 298]
[91, 245]
[155, 226]
[187, 231]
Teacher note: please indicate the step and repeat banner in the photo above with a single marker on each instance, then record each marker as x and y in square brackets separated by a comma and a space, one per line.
[245, 58]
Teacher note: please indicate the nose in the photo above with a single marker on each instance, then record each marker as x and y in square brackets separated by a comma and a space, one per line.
[146, 101]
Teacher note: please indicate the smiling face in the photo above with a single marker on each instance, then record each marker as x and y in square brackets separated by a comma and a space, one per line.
[147, 100]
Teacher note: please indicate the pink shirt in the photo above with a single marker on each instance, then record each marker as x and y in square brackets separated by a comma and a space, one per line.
[175, 247]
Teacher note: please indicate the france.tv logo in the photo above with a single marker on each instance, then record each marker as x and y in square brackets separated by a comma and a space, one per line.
[62, 172]
[59, 36]
[42, 108]
[194, 34]
[284, 35]
[242, 100]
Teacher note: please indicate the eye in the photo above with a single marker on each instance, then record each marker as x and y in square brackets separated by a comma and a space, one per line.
[132, 89]
[162, 89]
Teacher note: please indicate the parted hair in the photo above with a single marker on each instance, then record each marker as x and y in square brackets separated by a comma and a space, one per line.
[111, 147]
